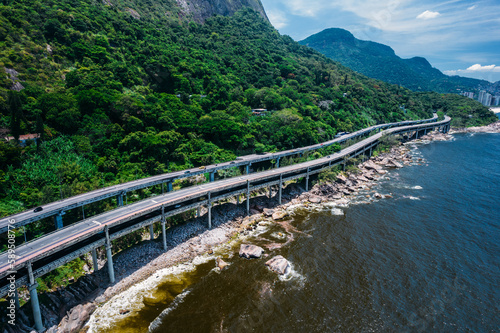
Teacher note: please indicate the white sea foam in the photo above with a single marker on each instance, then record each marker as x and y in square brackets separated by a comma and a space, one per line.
[417, 187]
[337, 212]
[133, 298]
[293, 276]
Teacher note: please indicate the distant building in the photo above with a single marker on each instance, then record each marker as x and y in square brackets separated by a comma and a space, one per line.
[497, 100]
[467, 94]
[23, 139]
[485, 98]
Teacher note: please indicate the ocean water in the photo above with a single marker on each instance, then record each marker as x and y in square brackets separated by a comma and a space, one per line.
[425, 260]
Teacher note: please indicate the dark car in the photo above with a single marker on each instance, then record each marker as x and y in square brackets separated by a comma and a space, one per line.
[37, 209]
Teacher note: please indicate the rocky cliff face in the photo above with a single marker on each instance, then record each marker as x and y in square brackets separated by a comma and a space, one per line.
[200, 10]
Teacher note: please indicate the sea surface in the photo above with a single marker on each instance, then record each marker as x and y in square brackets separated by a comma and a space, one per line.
[425, 260]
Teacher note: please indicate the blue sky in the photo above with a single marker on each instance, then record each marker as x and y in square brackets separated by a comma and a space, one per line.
[457, 37]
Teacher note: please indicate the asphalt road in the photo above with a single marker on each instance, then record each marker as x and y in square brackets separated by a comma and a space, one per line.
[56, 207]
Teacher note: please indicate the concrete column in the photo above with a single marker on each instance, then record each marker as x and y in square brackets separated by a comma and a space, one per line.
[35, 306]
[58, 220]
[163, 229]
[278, 162]
[416, 134]
[280, 189]
[248, 197]
[370, 152]
[238, 199]
[111, 270]
[307, 180]
[270, 192]
[119, 200]
[247, 169]
[209, 206]
[94, 260]
[198, 211]
[212, 176]
[83, 212]
[151, 232]
[169, 187]
[162, 188]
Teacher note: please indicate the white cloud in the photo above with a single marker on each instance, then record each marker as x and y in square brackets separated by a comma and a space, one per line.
[427, 15]
[489, 72]
[277, 18]
[479, 68]
[472, 7]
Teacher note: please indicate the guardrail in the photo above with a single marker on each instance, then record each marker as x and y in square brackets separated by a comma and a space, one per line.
[58, 208]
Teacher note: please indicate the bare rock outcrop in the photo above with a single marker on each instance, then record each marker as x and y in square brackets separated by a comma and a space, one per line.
[251, 251]
[279, 265]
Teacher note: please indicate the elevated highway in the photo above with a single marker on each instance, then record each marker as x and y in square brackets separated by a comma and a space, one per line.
[38, 257]
[58, 208]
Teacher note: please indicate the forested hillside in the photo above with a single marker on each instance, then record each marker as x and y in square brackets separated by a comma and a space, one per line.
[379, 61]
[119, 94]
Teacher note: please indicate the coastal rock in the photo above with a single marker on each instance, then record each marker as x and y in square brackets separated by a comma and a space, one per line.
[221, 264]
[371, 165]
[279, 215]
[268, 212]
[250, 251]
[75, 320]
[314, 199]
[279, 265]
[377, 196]
[341, 178]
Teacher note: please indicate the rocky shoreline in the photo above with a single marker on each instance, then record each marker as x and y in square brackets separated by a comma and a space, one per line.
[192, 239]
[491, 128]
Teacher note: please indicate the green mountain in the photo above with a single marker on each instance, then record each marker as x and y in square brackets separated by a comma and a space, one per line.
[122, 89]
[380, 61]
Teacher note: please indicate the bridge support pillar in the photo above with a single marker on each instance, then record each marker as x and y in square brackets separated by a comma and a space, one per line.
[307, 180]
[270, 192]
[209, 206]
[35, 306]
[119, 200]
[238, 200]
[248, 197]
[163, 228]
[212, 176]
[169, 187]
[162, 188]
[278, 162]
[151, 232]
[111, 270]
[280, 189]
[94, 260]
[198, 211]
[58, 220]
[247, 169]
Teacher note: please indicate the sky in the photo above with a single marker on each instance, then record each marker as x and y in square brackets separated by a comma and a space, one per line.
[458, 37]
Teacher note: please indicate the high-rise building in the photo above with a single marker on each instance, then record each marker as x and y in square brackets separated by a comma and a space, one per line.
[484, 98]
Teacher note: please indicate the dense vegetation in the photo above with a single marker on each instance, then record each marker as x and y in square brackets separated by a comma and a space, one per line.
[379, 61]
[117, 98]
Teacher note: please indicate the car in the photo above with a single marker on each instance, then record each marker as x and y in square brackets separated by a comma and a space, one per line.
[37, 209]
[232, 162]
[187, 171]
[202, 167]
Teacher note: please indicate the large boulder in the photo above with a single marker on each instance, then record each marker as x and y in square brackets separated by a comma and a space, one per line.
[279, 265]
[279, 215]
[268, 212]
[75, 320]
[251, 251]
[221, 264]
[371, 165]
[341, 178]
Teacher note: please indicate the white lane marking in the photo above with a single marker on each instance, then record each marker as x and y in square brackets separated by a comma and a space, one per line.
[154, 201]
[98, 223]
